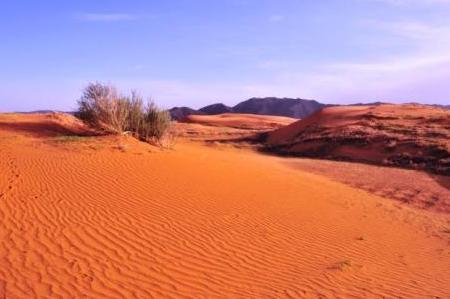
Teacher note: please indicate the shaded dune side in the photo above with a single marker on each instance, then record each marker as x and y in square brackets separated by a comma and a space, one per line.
[410, 136]
[411, 187]
[199, 222]
[43, 125]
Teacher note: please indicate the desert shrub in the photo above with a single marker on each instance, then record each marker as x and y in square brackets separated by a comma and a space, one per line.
[135, 114]
[169, 139]
[104, 108]
[155, 122]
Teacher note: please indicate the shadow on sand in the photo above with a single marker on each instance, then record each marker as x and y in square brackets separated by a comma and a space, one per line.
[257, 142]
[444, 181]
[47, 129]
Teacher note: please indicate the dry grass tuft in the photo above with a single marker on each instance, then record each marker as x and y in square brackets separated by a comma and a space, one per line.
[104, 108]
[342, 266]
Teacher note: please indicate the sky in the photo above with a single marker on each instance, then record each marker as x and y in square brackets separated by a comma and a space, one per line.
[198, 52]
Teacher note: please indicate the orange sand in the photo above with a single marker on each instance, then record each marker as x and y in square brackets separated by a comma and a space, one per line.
[242, 121]
[409, 135]
[228, 126]
[115, 218]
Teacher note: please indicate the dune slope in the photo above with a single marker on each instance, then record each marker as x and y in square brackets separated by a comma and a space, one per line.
[115, 218]
[411, 136]
[241, 121]
[227, 126]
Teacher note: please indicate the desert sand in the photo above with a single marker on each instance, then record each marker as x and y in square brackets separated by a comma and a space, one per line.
[228, 127]
[241, 121]
[410, 135]
[111, 217]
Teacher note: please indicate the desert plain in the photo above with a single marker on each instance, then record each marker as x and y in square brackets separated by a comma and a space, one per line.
[87, 216]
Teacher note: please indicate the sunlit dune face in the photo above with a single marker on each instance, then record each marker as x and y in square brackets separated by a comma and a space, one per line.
[112, 217]
[412, 136]
[228, 126]
[242, 121]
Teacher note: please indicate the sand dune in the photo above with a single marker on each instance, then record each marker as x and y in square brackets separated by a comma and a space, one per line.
[411, 136]
[115, 218]
[227, 127]
[410, 187]
[241, 121]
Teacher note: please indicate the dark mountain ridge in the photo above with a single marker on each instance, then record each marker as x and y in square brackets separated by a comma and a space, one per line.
[217, 108]
[296, 108]
[290, 107]
[178, 113]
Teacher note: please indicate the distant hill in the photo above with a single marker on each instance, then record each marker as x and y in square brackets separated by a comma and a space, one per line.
[295, 108]
[214, 109]
[442, 106]
[367, 104]
[44, 112]
[179, 113]
[289, 107]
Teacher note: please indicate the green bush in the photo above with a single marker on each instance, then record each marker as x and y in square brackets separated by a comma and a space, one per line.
[103, 108]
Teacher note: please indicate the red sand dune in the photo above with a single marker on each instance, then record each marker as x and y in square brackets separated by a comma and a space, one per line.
[228, 126]
[410, 187]
[42, 125]
[198, 132]
[412, 136]
[112, 217]
[241, 121]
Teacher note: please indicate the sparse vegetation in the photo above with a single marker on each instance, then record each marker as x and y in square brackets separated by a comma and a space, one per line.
[121, 147]
[342, 265]
[104, 108]
[155, 123]
[70, 138]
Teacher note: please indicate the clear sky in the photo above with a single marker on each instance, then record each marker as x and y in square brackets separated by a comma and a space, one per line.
[196, 52]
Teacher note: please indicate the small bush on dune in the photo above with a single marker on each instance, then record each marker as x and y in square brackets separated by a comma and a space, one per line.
[103, 108]
[156, 122]
[136, 111]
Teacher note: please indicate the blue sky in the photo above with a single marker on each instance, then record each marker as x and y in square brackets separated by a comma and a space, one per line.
[196, 52]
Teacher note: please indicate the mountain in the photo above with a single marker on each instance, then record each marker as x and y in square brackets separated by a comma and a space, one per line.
[217, 108]
[368, 104]
[297, 108]
[442, 106]
[289, 107]
[44, 112]
[178, 113]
